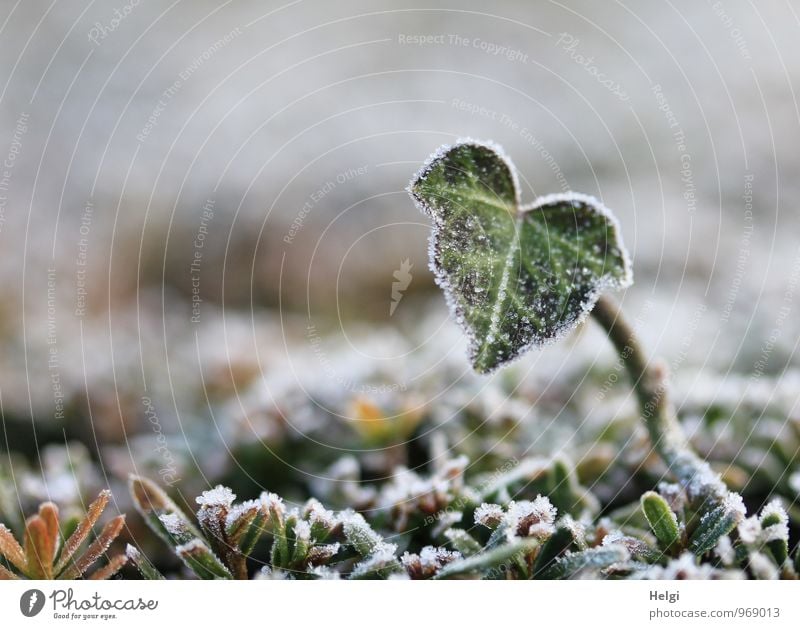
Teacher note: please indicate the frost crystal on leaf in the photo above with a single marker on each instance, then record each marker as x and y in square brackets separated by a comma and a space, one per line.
[749, 530]
[323, 553]
[302, 530]
[489, 515]
[360, 534]
[531, 518]
[173, 523]
[319, 515]
[220, 496]
[239, 510]
[763, 567]
[382, 558]
[428, 562]
[775, 522]
[725, 551]
[273, 503]
[514, 276]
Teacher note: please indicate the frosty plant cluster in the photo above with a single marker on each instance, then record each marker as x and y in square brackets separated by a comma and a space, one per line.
[517, 276]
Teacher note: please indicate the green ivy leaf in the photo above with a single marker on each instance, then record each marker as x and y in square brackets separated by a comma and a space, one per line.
[515, 276]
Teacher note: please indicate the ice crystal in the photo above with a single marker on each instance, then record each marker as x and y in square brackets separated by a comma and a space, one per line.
[779, 529]
[273, 503]
[531, 518]
[725, 551]
[489, 515]
[173, 523]
[237, 511]
[428, 562]
[220, 496]
[762, 566]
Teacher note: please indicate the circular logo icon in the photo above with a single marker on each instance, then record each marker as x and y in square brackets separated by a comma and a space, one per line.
[31, 602]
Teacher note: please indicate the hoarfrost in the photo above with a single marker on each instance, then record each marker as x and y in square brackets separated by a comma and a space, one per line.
[778, 530]
[273, 503]
[763, 567]
[220, 496]
[489, 515]
[173, 523]
[513, 276]
[237, 511]
[531, 518]
[302, 531]
[750, 530]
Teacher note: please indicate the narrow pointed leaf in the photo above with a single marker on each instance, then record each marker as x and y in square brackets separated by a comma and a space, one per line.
[99, 546]
[463, 542]
[84, 528]
[152, 502]
[11, 550]
[110, 569]
[143, 564]
[558, 543]
[202, 561]
[487, 561]
[360, 535]
[7, 575]
[515, 276]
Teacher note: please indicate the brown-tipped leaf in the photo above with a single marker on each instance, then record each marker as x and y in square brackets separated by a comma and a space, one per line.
[96, 549]
[11, 550]
[110, 569]
[84, 528]
[38, 549]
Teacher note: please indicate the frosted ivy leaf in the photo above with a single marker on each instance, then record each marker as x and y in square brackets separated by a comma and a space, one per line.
[515, 276]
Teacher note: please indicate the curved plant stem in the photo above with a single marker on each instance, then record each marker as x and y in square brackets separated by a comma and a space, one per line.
[649, 382]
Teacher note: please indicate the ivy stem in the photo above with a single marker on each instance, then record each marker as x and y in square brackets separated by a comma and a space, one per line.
[650, 384]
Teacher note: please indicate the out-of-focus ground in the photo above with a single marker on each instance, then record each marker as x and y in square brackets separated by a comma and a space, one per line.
[252, 157]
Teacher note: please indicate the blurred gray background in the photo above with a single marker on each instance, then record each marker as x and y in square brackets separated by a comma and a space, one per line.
[298, 125]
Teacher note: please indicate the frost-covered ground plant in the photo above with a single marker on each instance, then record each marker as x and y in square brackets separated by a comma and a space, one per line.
[526, 472]
[52, 549]
[517, 276]
[468, 537]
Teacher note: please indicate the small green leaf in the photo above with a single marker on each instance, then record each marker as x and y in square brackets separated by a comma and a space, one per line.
[152, 502]
[515, 276]
[202, 561]
[558, 543]
[463, 542]
[142, 563]
[245, 524]
[714, 523]
[775, 523]
[360, 535]
[662, 520]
